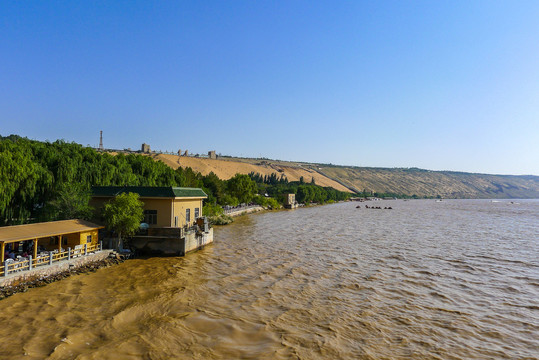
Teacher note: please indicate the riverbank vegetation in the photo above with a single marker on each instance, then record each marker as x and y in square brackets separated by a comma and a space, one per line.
[123, 214]
[276, 188]
[46, 181]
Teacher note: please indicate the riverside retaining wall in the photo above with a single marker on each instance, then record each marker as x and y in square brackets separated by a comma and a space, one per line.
[172, 241]
[245, 210]
[196, 241]
[55, 268]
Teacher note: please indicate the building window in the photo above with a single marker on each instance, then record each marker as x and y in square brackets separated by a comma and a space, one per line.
[150, 217]
[197, 213]
[89, 238]
[187, 215]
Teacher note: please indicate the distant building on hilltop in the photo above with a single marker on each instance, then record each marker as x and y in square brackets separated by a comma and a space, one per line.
[145, 148]
[212, 155]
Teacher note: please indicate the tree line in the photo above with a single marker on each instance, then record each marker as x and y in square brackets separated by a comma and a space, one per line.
[45, 181]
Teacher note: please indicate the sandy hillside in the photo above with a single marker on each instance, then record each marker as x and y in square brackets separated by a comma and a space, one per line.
[446, 184]
[225, 169]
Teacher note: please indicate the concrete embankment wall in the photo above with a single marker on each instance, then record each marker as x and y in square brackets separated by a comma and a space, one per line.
[242, 211]
[171, 241]
[167, 241]
[195, 242]
[55, 268]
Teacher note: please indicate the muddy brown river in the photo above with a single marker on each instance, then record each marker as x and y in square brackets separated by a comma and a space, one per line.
[457, 279]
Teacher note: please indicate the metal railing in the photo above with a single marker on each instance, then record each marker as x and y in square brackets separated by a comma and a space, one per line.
[11, 266]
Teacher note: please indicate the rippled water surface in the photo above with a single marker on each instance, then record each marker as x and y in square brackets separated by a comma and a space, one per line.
[457, 279]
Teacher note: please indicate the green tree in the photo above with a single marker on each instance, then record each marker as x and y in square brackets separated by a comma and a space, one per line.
[123, 214]
[212, 210]
[242, 187]
[72, 202]
[230, 200]
[215, 186]
[22, 181]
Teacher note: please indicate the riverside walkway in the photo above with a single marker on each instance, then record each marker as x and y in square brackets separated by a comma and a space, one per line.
[240, 210]
[49, 264]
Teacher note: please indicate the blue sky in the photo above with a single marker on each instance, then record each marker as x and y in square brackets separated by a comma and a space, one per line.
[440, 85]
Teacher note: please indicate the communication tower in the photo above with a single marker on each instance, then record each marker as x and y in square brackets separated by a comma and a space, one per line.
[101, 140]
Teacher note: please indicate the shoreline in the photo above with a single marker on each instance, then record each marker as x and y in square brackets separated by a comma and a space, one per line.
[221, 220]
[39, 281]
[240, 212]
[23, 286]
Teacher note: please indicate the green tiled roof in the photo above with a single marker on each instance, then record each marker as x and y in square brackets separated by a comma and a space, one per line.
[149, 191]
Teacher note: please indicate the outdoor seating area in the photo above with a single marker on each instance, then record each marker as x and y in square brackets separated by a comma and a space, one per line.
[25, 247]
[21, 263]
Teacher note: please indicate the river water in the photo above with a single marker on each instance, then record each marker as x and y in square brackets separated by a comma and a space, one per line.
[457, 279]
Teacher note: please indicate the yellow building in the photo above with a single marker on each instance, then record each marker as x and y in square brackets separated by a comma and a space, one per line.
[163, 206]
[54, 235]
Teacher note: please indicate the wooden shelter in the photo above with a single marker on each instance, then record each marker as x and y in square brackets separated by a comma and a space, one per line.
[49, 235]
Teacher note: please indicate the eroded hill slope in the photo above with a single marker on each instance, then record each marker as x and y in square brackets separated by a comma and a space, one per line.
[423, 183]
[227, 168]
[436, 183]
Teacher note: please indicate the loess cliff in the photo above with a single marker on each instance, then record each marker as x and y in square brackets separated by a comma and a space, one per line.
[407, 181]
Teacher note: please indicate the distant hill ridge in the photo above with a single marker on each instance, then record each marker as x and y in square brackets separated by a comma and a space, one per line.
[447, 184]
[399, 181]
